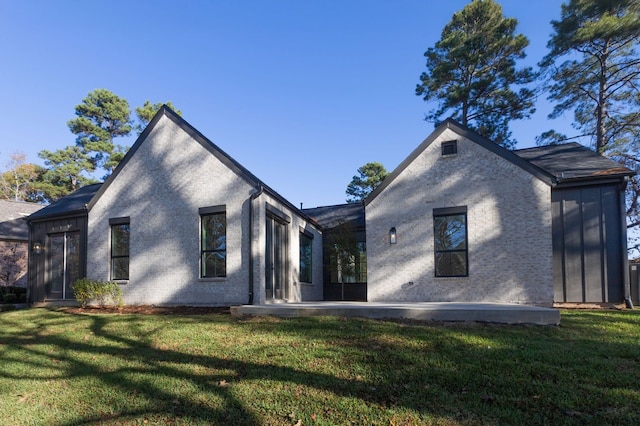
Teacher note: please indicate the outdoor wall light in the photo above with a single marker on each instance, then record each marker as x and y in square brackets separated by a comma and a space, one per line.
[393, 236]
[38, 247]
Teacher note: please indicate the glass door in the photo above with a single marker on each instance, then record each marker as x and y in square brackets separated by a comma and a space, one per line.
[64, 264]
[275, 259]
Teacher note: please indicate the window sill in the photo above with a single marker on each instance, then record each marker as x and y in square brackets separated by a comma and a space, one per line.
[307, 284]
[121, 282]
[462, 277]
[212, 280]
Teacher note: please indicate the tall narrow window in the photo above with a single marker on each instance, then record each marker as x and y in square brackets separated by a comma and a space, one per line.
[120, 233]
[306, 255]
[213, 243]
[450, 242]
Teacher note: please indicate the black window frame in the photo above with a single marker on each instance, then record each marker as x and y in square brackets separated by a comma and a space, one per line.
[306, 259]
[116, 257]
[205, 251]
[444, 213]
[449, 147]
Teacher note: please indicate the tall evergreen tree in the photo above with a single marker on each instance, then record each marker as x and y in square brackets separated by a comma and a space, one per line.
[67, 170]
[471, 72]
[146, 112]
[599, 80]
[369, 177]
[599, 76]
[102, 116]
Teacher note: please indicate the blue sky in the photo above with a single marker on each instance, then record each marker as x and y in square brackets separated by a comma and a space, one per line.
[301, 93]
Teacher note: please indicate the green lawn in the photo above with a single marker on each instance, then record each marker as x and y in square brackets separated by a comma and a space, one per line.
[64, 369]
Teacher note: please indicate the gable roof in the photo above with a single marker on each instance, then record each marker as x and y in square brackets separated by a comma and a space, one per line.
[573, 161]
[85, 198]
[13, 214]
[331, 216]
[552, 164]
[471, 135]
[74, 203]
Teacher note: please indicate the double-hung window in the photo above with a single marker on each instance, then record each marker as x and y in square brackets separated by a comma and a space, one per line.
[120, 236]
[450, 242]
[213, 242]
[306, 256]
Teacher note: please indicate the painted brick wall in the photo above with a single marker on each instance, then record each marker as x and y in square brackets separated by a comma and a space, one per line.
[508, 220]
[297, 291]
[161, 189]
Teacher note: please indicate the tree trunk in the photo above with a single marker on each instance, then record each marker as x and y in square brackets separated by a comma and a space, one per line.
[601, 107]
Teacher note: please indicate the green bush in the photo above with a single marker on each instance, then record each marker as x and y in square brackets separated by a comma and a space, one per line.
[10, 298]
[101, 293]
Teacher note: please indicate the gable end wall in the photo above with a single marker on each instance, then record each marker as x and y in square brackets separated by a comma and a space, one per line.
[509, 229]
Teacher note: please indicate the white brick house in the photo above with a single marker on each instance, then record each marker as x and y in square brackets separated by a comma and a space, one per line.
[474, 222]
[179, 222]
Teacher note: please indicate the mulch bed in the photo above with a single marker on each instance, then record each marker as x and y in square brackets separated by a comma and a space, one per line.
[147, 309]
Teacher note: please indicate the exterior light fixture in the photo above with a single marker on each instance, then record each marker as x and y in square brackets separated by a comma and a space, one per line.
[38, 247]
[393, 236]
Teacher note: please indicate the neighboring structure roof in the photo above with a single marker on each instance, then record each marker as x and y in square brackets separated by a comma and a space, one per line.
[76, 202]
[12, 219]
[331, 216]
[572, 161]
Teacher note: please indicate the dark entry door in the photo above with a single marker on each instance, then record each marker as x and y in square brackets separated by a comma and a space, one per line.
[276, 260]
[64, 264]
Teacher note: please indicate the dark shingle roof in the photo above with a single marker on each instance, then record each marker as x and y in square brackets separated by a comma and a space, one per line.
[332, 216]
[572, 161]
[72, 203]
[12, 219]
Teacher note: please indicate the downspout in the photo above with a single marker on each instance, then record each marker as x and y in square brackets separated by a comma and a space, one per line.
[625, 255]
[251, 216]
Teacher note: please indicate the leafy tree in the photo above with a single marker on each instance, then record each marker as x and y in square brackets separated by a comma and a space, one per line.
[369, 177]
[102, 116]
[17, 182]
[147, 111]
[471, 71]
[66, 172]
[600, 75]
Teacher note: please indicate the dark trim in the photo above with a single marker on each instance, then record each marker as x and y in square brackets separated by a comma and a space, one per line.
[447, 211]
[306, 233]
[59, 216]
[451, 145]
[588, 181]
[213, 209]
[119, 220]
[469, 134]
[278, 214]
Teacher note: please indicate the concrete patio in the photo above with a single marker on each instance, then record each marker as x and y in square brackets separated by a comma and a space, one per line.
[427, 311]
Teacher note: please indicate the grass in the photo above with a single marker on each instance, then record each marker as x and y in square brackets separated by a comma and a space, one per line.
[65, 369]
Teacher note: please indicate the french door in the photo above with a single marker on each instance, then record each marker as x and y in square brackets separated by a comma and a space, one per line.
[276, 264]
[64, 264]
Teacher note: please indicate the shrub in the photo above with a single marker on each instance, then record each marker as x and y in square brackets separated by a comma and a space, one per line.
[9, 298]
[101, 293]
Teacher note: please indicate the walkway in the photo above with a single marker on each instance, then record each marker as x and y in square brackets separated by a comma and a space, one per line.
[481, 312]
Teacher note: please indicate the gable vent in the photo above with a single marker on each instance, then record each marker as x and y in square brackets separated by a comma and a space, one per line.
[449, 148]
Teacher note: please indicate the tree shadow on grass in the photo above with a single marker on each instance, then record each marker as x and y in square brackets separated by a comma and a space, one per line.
[464, 373]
